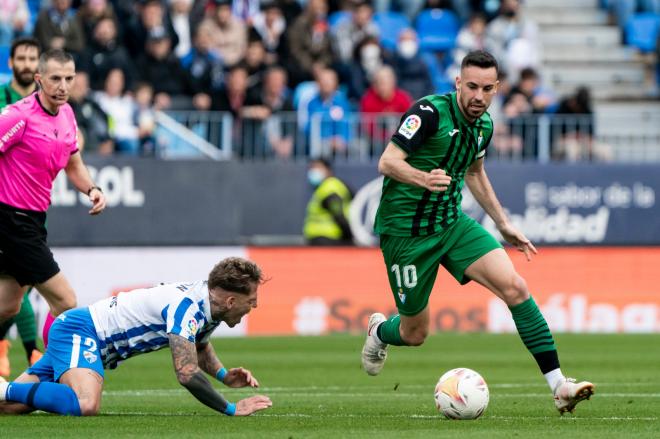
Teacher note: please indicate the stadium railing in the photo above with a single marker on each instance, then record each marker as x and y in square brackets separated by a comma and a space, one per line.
[362, 137]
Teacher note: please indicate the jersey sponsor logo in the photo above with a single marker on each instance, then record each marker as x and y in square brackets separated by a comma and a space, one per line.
[192, 326]
[11, 132]
[410, 126]
[452, 132]
[426, 108]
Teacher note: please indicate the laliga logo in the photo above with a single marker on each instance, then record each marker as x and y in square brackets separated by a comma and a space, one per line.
[362, 213]
[363, 209]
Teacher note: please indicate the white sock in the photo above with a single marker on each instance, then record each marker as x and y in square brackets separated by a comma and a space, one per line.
[554, 377]
[3, 389]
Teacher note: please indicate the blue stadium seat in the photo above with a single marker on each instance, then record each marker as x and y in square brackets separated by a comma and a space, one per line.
[437, 29]
[390, 24]
[337, 17]
[642, 31]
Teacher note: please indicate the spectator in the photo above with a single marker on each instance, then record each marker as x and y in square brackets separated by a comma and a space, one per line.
[180, 14]
[462, 8]
[93, 123]
[513, 39]
[233, 99]
[229, 33]
[90, 13]
[349, 33]
[529, 86]
[151, 17]
[145, 118]
[120, 108]
[410, 8]
[470, 37]
[272, 104]
[383, 98]
[159, 67]
[104, 53]
[57, 28]
[204, 68]
[269, 27]
[309, 42]
[245, 10]
[329, 109]
[14, 20]
[576, 127]
[255, 63]
[367, 60]
[326, 219]
[410, 68]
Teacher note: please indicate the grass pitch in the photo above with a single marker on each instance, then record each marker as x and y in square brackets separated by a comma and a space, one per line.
[319, 391]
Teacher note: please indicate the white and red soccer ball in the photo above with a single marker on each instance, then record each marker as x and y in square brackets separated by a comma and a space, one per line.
[461, 394]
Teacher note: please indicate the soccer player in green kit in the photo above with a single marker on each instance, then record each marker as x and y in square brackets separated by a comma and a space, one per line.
[440, 145]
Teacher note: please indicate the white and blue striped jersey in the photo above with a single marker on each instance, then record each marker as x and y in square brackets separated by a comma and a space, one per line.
[138, 321]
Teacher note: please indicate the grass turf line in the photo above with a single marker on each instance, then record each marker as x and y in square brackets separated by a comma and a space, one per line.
[319, 391]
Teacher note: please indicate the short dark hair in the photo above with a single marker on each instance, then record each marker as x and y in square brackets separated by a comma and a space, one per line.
[24, 41]
[528, 73]
[481, 59]
[236, 275]
[58, 55]
[323, 161]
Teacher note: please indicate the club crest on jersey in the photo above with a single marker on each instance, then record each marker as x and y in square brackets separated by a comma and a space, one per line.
[402, 296]
[410, 126]
[89, 356]
[480, 138]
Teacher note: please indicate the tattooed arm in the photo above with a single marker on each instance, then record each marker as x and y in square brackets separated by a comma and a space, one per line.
[208, 361]
[190, 376]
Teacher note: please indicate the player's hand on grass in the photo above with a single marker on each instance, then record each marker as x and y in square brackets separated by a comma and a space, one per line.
[437, 180]
[517, 239]
[240, 377]
[247, 406]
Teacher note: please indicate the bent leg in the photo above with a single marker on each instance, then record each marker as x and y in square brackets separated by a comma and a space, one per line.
[88, 386]
[17, 408]
[58, 293]
[11, 295]
[495, 271]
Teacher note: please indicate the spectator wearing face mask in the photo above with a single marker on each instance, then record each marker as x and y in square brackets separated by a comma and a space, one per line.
[410, 68]
[470, 37]
[367, 60]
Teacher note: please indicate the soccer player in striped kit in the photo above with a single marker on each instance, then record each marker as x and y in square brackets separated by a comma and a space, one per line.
[440, 145]
[37, 140]
[83, 342]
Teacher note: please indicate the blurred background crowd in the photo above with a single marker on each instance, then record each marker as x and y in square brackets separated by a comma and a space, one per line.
[300, 78]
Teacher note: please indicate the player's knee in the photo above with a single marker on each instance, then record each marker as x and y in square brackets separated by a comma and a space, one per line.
[9, 310]
[516, 291]
[88, 407]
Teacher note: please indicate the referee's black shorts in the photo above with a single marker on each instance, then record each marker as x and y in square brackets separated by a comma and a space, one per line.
[24, 254]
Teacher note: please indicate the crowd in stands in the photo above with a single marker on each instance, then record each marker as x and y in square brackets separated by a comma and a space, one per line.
[257, 58]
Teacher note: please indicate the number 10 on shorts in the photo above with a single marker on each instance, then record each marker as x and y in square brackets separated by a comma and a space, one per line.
[407, 274]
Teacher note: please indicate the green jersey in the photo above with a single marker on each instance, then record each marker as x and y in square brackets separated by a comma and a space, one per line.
[8, 95]
[435, 135]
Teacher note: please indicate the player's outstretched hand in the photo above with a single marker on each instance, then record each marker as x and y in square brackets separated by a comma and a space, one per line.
[437, 180]
[240, 377]
[516, 238]
[98, 202]
[247, 406]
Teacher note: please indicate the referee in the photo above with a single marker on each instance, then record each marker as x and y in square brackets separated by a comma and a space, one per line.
[37, 140]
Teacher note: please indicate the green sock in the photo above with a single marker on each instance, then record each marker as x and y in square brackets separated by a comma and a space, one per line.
[26, 322]
[388, 331]
[534, 332]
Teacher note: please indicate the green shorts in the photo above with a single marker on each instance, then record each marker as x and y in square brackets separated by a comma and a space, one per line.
[412, 262]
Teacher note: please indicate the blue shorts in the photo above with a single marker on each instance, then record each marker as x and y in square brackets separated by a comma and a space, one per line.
[72, 343]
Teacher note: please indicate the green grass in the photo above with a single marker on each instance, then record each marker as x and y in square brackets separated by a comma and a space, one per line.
[319, 391]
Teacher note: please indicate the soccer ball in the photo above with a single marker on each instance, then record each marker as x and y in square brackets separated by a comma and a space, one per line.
[461, 394]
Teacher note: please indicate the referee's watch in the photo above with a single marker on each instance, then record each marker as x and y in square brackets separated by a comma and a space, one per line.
[89, 191]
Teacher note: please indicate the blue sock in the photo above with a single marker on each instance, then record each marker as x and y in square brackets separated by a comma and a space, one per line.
[49, 397]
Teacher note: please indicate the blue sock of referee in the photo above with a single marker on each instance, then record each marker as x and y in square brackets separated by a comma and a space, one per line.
[48, 397]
